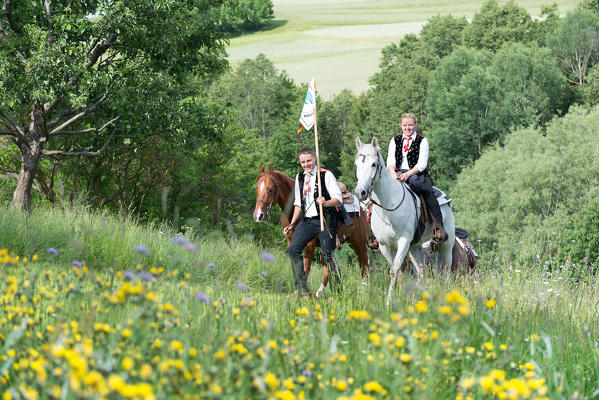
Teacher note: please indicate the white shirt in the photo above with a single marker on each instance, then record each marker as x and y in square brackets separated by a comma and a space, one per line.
[422, 156]
[330, 183]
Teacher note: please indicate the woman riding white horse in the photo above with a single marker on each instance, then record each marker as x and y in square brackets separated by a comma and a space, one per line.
[395, 214]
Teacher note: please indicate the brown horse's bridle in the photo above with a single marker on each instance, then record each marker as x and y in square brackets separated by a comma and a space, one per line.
[269, 204]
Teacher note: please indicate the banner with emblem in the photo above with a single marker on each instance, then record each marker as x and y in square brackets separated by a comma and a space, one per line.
[307, 116]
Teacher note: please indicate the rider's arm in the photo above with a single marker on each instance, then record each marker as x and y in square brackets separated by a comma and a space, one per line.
[391, 158]
[331, 184]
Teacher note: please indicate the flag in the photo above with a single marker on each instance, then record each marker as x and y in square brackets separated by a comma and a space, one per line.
[307, 116]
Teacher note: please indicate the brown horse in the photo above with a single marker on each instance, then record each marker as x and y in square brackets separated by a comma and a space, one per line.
[274, 187]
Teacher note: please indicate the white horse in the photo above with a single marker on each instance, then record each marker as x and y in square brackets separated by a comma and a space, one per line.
[395, 215]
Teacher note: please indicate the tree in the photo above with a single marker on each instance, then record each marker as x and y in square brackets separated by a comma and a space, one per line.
[530, 85]
[512, 198]
[475, 100]
[71, 72]
[245, 15]
[591, 89]
[261, 95]
[497, 25]
[339, 120]
[575, 45]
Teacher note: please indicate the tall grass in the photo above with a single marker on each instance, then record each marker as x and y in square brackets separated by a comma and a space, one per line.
[216, 322]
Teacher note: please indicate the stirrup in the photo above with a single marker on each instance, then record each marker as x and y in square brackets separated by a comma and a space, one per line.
[439, 238]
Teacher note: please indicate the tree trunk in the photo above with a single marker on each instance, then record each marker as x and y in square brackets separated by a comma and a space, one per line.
[31, 150]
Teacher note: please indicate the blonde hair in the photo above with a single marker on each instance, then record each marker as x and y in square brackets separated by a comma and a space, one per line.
[410, 115]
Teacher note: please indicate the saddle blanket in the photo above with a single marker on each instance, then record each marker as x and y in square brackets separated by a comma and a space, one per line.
[442, 198]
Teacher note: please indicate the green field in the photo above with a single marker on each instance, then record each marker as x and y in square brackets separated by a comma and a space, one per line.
[338, 43]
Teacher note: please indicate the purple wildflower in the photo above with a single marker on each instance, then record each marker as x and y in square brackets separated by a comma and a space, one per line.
[267, 257]
[241, 286]
[289, 349]
[180, 240]
[146, 276]
[129, 275]
[191, 247]
[306, 373]
[52, 250]
[222, 300]
[202, 297]
[211, 265]
[247, 299]
[263, 273]
[140, 248]
[76, 263]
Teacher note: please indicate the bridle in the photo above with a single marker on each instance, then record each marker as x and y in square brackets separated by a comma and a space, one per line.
[379, 168]
[270, 203]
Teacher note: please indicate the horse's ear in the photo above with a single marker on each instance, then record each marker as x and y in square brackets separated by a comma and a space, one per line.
[358, 142]
[270, 169]
[375, 142]
[261, 169]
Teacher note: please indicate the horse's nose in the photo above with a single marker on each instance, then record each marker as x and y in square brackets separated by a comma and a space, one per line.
[362, 195]
[258, 217]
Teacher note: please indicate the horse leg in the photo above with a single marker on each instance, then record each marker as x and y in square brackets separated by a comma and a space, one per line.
[325, 281]
[446, 249]
[416, 258]
[308, 255]
[403, 244]
[361, 251]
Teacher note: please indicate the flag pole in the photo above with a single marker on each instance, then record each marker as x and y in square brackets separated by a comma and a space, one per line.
[318, 162]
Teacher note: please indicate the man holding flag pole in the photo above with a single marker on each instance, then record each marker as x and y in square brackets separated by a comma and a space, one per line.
[318, 221]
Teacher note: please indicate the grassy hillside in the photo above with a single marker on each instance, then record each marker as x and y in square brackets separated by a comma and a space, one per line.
[209, 317]
[339, 42]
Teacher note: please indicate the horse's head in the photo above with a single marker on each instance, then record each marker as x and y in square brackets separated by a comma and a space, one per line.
[368, 167]
[267, 191]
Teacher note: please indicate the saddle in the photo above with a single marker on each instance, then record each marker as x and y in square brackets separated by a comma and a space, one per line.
[425, 214]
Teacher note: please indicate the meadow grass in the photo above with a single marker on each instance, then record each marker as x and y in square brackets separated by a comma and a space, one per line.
[213, 321]
[339, 43]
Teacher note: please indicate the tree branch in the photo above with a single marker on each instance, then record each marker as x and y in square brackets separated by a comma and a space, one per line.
[17, 131]
[56, 133]
[79, 116]
[11, 19]
[60, 153]
[99, 50]
[48, 23]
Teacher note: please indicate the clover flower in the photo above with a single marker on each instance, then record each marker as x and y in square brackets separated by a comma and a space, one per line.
[140, 248]
[267, 257]
[202, 297]
[146, 276]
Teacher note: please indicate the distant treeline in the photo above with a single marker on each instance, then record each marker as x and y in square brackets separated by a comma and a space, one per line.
[505, 100]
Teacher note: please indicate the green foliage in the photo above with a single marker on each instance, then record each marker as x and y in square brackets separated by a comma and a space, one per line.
[580, 242]
[591, 89]
[575, 45]
[476, 98]
[497, 25]
[592, 5]
[261, 96]
[105, 83]
[245, 15]
[516, 197]
[339, 119]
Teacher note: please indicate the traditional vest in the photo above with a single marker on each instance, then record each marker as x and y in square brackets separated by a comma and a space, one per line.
[413, 153]
[325, 193]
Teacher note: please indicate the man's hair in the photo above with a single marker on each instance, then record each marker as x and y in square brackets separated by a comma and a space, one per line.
[410, 115]
[306, 150]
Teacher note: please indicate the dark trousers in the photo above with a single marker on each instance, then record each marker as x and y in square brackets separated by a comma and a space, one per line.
[422, 184]
[306, 230]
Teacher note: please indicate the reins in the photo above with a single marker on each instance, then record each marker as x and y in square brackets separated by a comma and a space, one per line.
[379, 168]
[269, 205]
